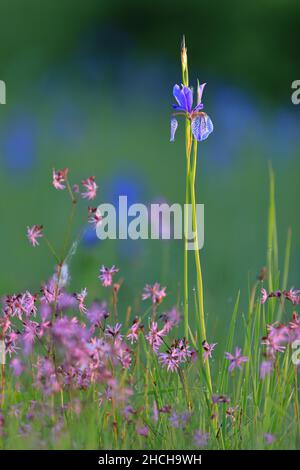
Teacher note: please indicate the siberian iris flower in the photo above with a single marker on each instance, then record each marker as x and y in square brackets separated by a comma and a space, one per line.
[201, 124]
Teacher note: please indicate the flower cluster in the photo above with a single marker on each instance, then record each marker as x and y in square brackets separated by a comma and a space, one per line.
[291, 295]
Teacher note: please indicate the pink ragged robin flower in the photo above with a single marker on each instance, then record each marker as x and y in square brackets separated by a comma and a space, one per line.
[81, 298]
[143, 431]
[95, 216]
[294, 327]
[179, 420]
[220, 399]
[114, 331]
[59, 177]
[231, 412]
[17, 366]
[90, 188]
[237, 360]
[133, 335]
[292, 295]
[269, 438]
[277, 336]
[155, 293]
[106, 275]
[264, 296]
[201, 438]
[19, 305]
[170, 359]
[183, 349]
[97, 313]
[154, 336]
[266, 368]
[208, 349]
[171, 318]
[33, 233]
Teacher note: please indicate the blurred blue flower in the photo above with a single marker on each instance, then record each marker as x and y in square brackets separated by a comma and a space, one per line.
[89, 238]
[19, 143]
[68, 121]
[133, 186]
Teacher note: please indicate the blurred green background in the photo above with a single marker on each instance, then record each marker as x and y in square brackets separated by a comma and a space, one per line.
[89, 87]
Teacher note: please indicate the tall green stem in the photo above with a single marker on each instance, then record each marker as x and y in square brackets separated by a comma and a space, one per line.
[197, 260]
[186, 222]
[188, 147]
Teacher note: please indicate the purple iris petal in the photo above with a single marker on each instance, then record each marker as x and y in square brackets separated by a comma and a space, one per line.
[180, 97]
[173, 128]
[198, 107]
[200, 89]
[202, 126]
[188, 97]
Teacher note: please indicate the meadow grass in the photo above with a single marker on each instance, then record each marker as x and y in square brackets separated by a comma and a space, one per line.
[262, 413]
[76, 378]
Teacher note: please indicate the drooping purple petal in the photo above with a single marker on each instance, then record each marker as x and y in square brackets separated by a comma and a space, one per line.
[201, 126]
[173, 128]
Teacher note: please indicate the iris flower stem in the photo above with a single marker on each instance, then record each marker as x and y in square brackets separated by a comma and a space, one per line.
[186, 252]
[188, 148]
[198, 262]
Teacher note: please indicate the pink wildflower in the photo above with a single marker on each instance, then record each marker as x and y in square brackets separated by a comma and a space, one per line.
[266, 368]
[59, 177]
[172, 317]
[208, 349]
[133, 335]
[106, 275]
[269, 438]
[81, 297]
[183, 349]
[220, 399]
[17, 367]
[113, 331]
[201, 438]
[237, 360]
[277, 336]
[292, 295]
[33, 233]
[155, 293]
[264, 296]
[170, 359]
[90, 188]
[95, 216]
[143, 431]
[179, 421]
[154, 336]
[96, 313]
[231, 412]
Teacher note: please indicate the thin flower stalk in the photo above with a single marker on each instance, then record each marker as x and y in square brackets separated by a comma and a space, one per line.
[188, 147]
[198, 262]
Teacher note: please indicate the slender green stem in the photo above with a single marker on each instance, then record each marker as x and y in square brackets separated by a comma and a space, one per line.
[186, 222]
[68, 231]
[52, 250]
[197, 261]
[188, 146]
